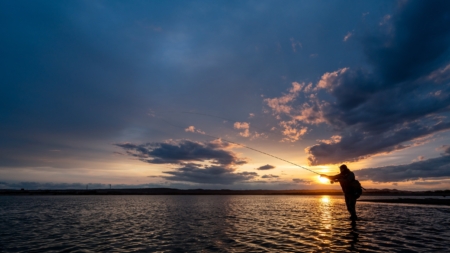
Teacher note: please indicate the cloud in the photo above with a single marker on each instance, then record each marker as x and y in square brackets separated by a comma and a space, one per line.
[419, 158]
[400, 98]
[209, 175]
[347, 36]
[266, 167]
[220, 167]
[440, 75]
[241, 125]
[295, 44]
[270, 176]
[181, 152]
[333, 139]
[301, 181]
[247, 133]
[192, 129]
[432, 168]
[282, 104]
[292, 131]
[445, 149]
[244, 126]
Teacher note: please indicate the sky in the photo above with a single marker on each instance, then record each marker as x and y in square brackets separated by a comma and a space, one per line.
[224, 94]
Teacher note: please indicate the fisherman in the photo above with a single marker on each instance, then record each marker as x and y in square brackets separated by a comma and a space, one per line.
[350, 186]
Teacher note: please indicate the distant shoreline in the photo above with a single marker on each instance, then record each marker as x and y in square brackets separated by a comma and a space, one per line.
[170, 191]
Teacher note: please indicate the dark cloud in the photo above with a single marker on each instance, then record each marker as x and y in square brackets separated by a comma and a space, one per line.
[186, 153]
[445, 149]
[397, 100]
[181, 152]
[301, 181]
[432, 168]
[208, 175]
[357, 144]
[270, 176]
[412, 43]
[266, 167]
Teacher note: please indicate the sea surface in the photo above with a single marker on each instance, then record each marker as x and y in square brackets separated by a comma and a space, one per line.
[217, 224]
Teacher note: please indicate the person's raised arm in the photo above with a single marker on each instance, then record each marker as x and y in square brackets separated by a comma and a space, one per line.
[332, 178]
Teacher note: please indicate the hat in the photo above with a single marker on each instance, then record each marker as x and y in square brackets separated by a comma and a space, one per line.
[343, 167]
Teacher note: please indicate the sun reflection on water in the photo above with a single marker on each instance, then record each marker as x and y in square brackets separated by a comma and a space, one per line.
[325, 199]
[325, 220]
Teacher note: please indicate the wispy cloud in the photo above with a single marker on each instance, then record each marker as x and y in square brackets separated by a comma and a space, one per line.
[301, 181]
[347, 36]
[295, 45]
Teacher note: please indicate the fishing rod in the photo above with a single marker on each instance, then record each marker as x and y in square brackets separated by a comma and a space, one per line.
[242, 145]
[262, 152]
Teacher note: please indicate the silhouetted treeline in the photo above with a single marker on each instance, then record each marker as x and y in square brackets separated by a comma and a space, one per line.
[169, 191]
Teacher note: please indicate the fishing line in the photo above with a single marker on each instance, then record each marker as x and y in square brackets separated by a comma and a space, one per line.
[242, 145]
[262, 152]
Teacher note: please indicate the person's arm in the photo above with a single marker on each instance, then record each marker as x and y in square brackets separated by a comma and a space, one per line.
[332, 178]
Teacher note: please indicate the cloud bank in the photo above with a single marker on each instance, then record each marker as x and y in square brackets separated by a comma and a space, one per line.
[181, 152]
[205, 163]
[401, 97]
[428, 169]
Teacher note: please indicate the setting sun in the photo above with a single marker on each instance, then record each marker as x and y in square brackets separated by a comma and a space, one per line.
[324, 180]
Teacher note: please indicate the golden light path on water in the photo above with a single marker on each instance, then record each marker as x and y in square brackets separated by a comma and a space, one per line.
[325, 220]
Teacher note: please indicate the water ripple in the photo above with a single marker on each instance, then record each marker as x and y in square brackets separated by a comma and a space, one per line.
[216, 224]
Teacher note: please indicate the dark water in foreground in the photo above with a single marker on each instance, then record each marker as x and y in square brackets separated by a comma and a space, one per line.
[216, 224]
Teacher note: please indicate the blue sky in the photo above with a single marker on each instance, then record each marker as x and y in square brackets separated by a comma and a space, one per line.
[130, 92]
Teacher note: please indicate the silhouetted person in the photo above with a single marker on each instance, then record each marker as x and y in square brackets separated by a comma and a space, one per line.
[350, 186]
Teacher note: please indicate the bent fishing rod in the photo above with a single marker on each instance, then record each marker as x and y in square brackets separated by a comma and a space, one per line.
[242, 145]
[262, 152]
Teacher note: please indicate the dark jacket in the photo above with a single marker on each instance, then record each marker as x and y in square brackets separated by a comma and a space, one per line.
[345, 178]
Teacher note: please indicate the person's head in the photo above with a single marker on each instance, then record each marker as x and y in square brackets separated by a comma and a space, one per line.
[343, 168]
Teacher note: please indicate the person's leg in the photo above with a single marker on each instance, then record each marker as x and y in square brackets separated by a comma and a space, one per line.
[350, 202]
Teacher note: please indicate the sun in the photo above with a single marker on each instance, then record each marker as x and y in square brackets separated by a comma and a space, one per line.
[324, 180]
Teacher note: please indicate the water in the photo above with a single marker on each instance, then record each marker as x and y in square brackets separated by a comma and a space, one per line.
[217, 224]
